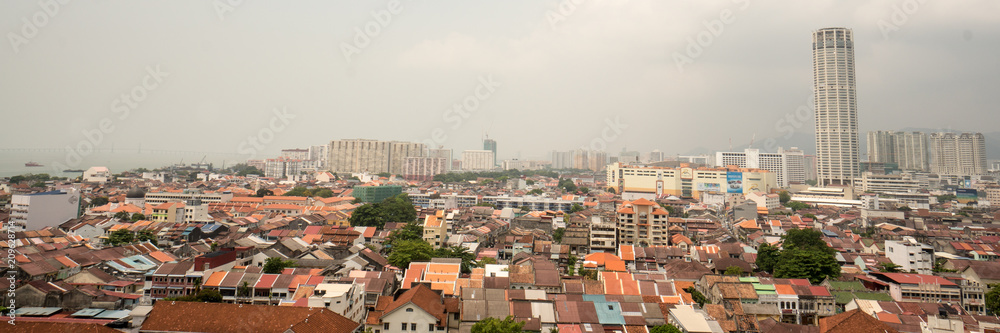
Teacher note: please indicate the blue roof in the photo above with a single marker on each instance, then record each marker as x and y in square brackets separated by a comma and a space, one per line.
[829, 233]
[208, 228]
[87, 313]
[113, 314]
[35, 311]
[609, 313]
[594, 298]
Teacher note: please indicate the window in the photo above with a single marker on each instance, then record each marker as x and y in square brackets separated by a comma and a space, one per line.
[430, 327]
[385, 326]
[413, 327]
[409, 309]
[404, 326]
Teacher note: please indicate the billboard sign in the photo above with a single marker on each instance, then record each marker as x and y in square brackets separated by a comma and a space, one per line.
[966, 195]
[734, 182]
[709, 187]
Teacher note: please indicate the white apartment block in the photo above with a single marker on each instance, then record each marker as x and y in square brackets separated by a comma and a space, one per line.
[907, 149]
[424, 168]
[282, 167]
[319, 154]
[477, 160]
[870, 182]
[910, 255]
[372, 156]
[765, 200]
[562, 159]
[789, 168]
[958, 154]
[654, 182]
[46, 209]
[442, 153]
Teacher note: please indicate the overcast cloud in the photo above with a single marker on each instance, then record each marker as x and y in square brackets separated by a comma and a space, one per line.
[223, 70]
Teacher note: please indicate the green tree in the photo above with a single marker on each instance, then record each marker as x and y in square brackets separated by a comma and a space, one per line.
[536, 191]
[399, 208]
[906, 209]
[17, 179]
[734, 270]
[298, 191]
[557, 235]
[244, 290]
[243, 169]
[670, 209]
[767, 257]
[584, 190]
[697, 296]
[494, 325]
[993, 300]
[264, 193]
[805, 255]
[576, 208]
[137, 217]
[668, 328]
[323, 193]
[460, 252]
[123, 216]
[120, 237]
[567, 184]
[611, 190]
[38, 184]
[529, 182]
[275, 265]
[410, 231]
[784, 197]
[147, 236]
[99, 201]
[368, 215]
[796, 206]
[889, 267]
[487, 261]
[405, 252]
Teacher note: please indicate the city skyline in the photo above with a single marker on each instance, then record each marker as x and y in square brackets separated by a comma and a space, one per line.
[534, 73]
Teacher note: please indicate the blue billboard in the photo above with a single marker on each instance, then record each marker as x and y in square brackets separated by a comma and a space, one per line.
[734, 182]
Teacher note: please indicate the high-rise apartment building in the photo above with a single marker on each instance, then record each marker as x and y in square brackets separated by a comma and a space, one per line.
[789, 167]
[373, 156]
[834, 87]
[562, 159]
[442, 153]
[908, 150]
[958, 154]
[491, 145]
[477, 160]
[424, 168]
[655, 156]
[319, 154]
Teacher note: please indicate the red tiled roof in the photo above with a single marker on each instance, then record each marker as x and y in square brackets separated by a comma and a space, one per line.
[222, 317]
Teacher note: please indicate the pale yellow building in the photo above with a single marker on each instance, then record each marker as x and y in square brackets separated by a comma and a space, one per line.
[435, 230]
[653, 182]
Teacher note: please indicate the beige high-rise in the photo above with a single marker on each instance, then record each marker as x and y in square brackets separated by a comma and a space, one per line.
[837, 147]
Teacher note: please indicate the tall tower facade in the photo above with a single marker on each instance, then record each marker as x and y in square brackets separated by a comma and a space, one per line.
[907, 149]
[958, 154]
[837, 147]
[491, 145]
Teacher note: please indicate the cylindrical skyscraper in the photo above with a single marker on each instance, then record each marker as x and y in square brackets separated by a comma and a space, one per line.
[837, 150]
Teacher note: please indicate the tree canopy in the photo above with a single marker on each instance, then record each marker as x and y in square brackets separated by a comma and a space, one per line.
[407, 251]
[99, 201]
[804, 255]
[668, 328]
[120, 237]
[458, 251]
[275, 265]
[264, 193]
[993, 300]
[494, 325]
[784, 197]
[397, 208]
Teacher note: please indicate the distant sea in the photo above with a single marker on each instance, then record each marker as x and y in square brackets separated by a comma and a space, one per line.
[12, 163]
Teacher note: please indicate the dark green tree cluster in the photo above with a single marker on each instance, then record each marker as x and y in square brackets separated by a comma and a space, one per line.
[993, 300]
[397, 208]
[125, 236]
[576, 208]
[494, 325]
[668, 328]
[796, 206]
[804, 255]
[557, 235]
[99, 201]
[536, 191]
[406, 251]
[567, 185]
[243, 169]
[275, 265]
[461, 252]
[784, 197]
[264, 193]
[697, 296]
[33, 178]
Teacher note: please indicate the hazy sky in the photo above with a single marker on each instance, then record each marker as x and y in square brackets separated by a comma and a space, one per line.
[541, 75]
